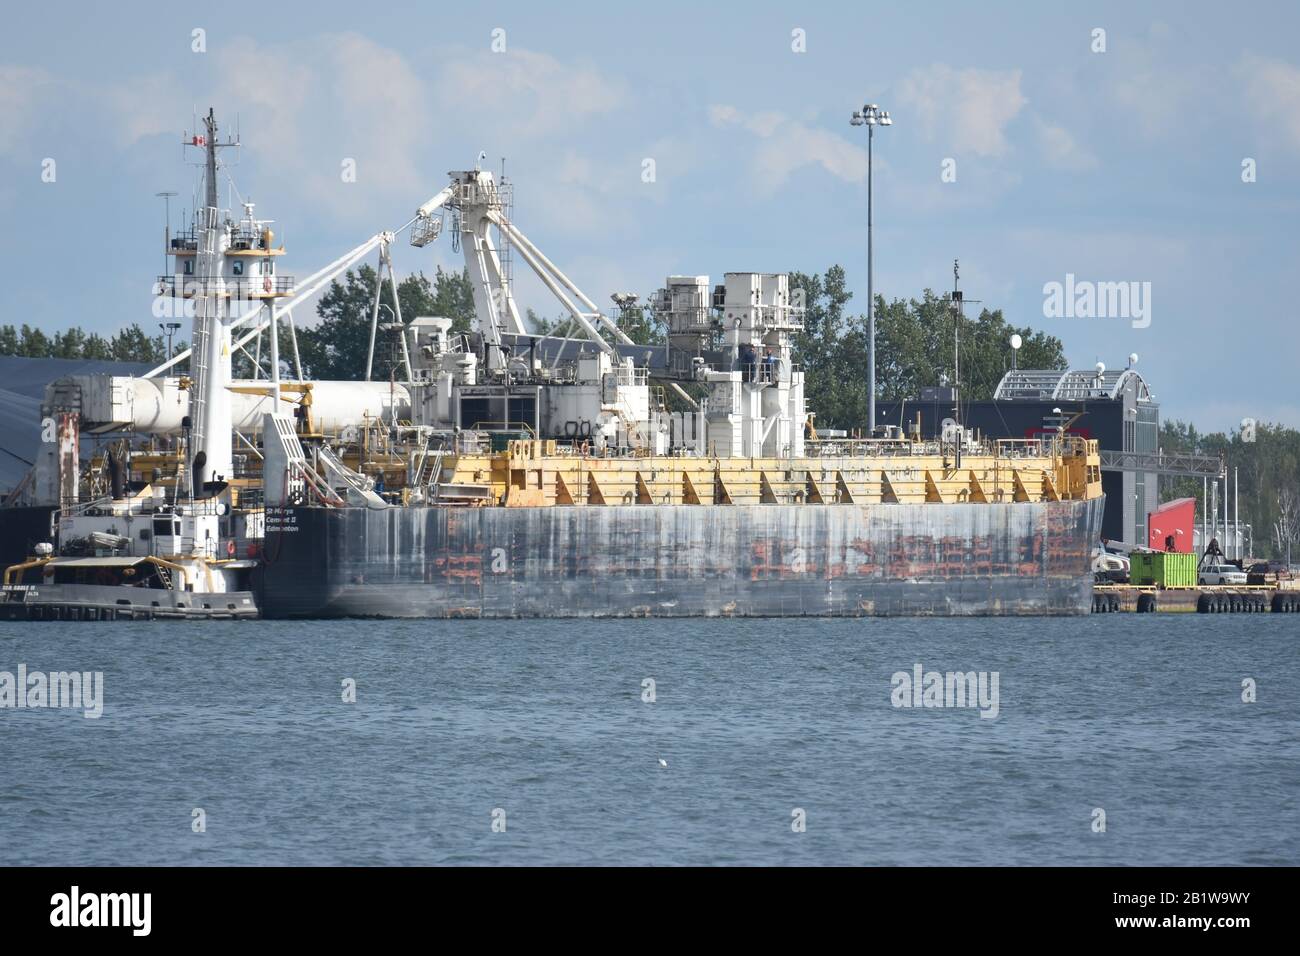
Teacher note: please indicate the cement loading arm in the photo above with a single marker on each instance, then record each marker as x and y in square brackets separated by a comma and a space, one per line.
[476, 198]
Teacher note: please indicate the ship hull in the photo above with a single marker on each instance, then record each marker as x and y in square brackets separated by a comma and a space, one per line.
[21, 529]
[772, 560]
[89, 602]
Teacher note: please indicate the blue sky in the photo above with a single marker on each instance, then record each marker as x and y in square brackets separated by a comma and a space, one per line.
[1123, 165]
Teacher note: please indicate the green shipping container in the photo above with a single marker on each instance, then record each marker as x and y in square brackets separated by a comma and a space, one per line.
[1163, 569]
[1141, 569]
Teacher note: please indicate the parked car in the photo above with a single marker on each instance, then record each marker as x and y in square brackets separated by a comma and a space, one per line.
[1221, 574]
[1109, 567]
[1265, 572]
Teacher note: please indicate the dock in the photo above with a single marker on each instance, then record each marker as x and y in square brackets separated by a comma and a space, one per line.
[1204, 599]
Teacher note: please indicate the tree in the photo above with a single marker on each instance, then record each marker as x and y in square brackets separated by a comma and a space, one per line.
[640, 324]
[242, 364]
[129, 345]
[33, 342]
[337, 347]
[916, 341]
[69, 344]
[133, 345]
[817, 347]
[914, 348]
[1267, 472]
[96, 347]
[540, 325]
[453, 298]
[1286, 528]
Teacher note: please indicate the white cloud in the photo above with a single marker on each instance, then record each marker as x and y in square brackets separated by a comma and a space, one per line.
[1061, 149]
[1150, 83]
[303, 107]
[966, 109]
[20, 87]
[577, 201]
[144, 106]
[337, 96]
[533, 93]
[787, 145]
[1272, 94]
[270, 86]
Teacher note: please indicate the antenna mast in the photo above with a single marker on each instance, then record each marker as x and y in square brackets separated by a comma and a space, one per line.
[211, 348]
[957, 305]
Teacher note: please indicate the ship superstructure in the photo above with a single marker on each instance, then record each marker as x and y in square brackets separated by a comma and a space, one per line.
[500, 472]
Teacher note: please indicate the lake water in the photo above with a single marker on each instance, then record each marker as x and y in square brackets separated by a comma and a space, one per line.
[542, 725]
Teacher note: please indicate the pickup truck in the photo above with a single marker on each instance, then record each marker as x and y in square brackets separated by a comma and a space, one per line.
[1221, 574]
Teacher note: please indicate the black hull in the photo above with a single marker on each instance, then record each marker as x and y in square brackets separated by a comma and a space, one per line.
[682, 561]
[21, 529]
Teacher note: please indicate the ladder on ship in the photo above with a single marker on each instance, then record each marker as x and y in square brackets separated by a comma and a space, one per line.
[423, 474]
[431, 477]
[199, 373]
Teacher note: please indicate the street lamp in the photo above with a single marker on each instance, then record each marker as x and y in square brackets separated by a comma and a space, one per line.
[870, 116]
[169, 329]
[166, 197]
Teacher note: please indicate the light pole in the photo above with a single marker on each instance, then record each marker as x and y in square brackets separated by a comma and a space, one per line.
[166, 197]
[169, 329]
[870, 116]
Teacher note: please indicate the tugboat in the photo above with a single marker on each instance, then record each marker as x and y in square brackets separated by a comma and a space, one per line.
[167, 546]
[136, 555]
[102, 576]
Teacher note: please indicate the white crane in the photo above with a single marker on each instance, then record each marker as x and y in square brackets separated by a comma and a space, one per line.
[475, 197]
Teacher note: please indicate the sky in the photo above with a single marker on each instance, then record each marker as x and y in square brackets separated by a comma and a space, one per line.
[647, 140]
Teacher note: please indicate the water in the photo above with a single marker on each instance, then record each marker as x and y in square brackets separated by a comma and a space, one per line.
[1138, 715]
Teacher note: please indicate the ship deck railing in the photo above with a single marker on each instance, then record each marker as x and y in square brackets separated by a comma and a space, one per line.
[237, 287]
[471, 443]
[907, 448]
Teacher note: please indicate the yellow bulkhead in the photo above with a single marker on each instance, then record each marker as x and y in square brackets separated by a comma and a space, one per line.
[538, 474]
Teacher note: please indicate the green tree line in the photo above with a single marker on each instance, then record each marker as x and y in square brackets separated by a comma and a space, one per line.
[914, 348]
[1267, 465]
[132, 344]
[336, 348]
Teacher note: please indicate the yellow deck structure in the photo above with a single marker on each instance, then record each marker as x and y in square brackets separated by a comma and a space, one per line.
[538, 474]
[543, 473]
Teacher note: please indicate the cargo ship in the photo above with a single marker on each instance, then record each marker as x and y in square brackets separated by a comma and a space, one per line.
[495, 472]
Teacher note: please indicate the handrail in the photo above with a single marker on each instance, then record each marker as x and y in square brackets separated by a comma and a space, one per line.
[237, 287]
[487, 426]
[24, 566]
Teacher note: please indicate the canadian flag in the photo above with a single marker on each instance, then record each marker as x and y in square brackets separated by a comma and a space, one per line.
[198, 141]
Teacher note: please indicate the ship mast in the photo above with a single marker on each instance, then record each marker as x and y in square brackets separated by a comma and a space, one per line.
[210, 401]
